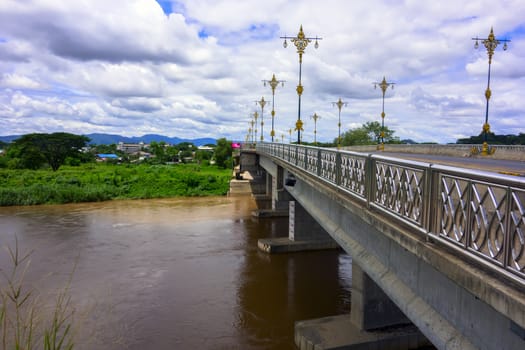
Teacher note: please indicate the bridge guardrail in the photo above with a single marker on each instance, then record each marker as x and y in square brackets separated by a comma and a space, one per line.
[479, 213]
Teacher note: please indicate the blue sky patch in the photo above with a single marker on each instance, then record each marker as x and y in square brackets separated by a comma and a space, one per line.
[203, 34]
[166, 6]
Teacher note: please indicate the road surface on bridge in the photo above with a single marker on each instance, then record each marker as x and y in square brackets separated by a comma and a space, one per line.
[509, 167]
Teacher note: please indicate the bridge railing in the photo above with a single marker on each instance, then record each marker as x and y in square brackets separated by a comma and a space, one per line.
[481, 214]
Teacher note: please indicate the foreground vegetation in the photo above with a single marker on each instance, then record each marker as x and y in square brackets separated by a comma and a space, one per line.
[92, 182]
[25, 322]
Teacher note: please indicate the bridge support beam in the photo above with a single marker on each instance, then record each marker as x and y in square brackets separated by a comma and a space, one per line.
[304, 233]
[371, 307]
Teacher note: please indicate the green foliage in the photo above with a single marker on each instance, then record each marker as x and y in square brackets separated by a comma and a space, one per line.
[33, 150]
[99, 182]
[495, 139]
[368, 134]
[223, 153]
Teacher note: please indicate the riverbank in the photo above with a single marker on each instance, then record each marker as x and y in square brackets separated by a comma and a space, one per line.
[100, 182]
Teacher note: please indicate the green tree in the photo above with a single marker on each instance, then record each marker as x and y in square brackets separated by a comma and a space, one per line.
[495, 139]
[368, 134]
[35, 149]
[223, 153]
[24, 155]
[159, 150]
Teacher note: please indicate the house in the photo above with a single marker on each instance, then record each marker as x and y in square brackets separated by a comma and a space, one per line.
[103, 157]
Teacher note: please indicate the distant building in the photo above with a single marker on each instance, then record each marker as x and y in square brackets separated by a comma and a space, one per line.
[130, 147]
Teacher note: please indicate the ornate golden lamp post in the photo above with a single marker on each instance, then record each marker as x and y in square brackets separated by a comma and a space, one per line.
[251, 130]
[290, 133]
[300, 42]
[339, 105]
[273, 84]
[383, 85]
[315, 117]
[255, 116]
[490, 44]
[262, 103]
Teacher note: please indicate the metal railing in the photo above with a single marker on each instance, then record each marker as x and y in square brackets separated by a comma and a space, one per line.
[480, 213]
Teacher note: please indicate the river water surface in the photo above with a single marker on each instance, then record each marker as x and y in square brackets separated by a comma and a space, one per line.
[175, 273]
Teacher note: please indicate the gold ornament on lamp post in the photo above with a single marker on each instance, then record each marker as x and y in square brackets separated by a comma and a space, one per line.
[301, 41]
[273, 84]
[262, 103]
[490, 44]
[383, 85]
[339, 105]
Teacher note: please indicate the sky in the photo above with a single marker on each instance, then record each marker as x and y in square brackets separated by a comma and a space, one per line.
[195, 68]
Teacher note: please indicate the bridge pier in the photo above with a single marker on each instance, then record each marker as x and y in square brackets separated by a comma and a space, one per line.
[304, 233]
[375, 322]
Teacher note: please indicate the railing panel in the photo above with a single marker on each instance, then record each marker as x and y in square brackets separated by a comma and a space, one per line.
[453, 211]
[329, 165]
[311, 160]
[292, 155]
[516, 217]
[301, 157]
[399, 189]
[487, 221]
[353, 173]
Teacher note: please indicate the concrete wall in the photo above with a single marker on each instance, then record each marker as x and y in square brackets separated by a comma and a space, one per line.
[453, 302]
[502, 152]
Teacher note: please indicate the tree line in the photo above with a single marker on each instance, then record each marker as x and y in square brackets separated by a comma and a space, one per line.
[37, 150]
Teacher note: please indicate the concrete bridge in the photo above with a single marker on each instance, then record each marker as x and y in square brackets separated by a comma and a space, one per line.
[437, 246]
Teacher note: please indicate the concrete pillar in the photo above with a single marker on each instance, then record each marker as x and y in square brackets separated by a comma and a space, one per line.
[280, 197]
[269, 179]
[371, 307]
[303, 227]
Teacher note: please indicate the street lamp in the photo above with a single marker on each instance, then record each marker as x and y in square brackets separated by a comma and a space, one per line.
[273, 84]
[255, 116]
[339, 105]
[315, 117]
[490, 44]
[252, 130]
[300, 42]
[290, 133]
[262, 103]
[383, 85]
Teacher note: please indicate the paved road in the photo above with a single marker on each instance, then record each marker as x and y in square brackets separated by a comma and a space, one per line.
[510, 167]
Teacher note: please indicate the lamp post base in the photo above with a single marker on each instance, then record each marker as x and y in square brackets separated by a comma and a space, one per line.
[483, 150]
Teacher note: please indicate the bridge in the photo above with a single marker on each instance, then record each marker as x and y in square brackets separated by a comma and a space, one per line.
[440, 247]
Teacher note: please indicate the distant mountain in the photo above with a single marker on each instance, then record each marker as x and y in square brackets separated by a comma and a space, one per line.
[108, 139]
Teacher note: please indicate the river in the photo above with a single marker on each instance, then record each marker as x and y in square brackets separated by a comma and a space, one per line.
[174, 273]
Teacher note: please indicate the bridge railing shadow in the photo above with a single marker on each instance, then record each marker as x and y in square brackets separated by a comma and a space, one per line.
[480, 214]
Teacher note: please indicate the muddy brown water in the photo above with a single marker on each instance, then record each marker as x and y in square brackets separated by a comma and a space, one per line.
[175, 273]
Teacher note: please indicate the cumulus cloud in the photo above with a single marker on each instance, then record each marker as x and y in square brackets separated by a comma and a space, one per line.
[194, 68]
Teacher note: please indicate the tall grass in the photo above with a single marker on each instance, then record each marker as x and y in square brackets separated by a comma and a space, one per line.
[23, 322]
[100, 182]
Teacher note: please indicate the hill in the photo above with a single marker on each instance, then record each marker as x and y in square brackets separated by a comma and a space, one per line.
[108, 139]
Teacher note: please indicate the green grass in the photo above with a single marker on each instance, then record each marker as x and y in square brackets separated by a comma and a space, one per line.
[101, 182]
